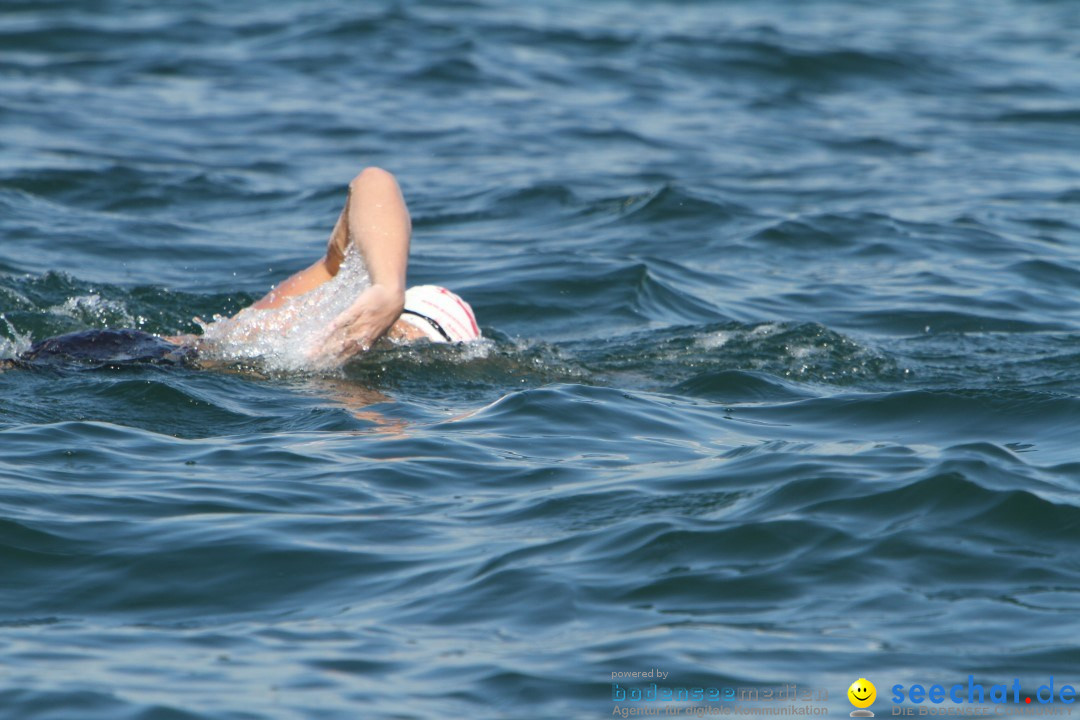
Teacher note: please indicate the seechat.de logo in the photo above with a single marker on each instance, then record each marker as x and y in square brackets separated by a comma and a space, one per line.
[862, 694]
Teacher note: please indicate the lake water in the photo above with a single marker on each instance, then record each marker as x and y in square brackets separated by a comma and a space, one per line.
[781, 381]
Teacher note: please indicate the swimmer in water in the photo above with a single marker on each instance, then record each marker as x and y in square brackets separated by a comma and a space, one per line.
[375, 223]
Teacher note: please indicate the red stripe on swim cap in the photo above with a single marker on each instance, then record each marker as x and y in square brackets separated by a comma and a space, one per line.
[465, 308]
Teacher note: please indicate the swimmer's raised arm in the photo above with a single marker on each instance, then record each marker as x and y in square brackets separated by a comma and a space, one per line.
[297, 284]
[379, 224]
[376, 219]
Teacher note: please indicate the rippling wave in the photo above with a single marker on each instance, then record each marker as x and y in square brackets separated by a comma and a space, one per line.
[780, 382]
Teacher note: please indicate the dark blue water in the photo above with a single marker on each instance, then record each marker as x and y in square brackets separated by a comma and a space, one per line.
[783, 383]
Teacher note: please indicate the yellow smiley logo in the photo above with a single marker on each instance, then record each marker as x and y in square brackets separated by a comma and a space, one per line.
[862, 693]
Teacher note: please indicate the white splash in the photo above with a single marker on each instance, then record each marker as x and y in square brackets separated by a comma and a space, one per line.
[715, 340]
[16, 344]
[284, 338]
[95, 310]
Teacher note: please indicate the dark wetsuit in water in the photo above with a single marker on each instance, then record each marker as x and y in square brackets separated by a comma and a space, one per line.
[104, 348]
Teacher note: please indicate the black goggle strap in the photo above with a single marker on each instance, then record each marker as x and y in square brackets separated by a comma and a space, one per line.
[431, 322]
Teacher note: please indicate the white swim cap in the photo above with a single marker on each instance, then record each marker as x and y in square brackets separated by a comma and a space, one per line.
[440, 314]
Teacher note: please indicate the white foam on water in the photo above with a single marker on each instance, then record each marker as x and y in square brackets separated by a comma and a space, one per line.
[95, 310]
[479, 349]
[766, 329]
[16, 344]
[286, 338]
[715, 340]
